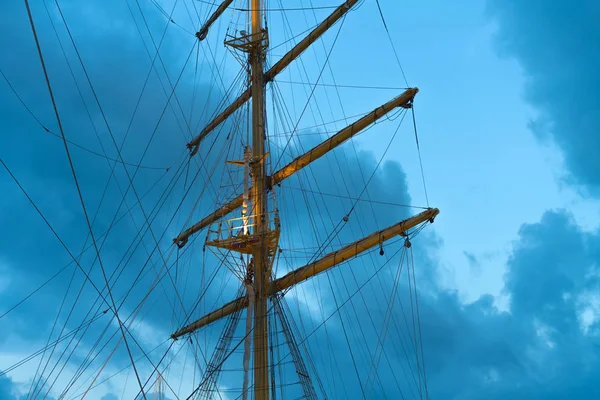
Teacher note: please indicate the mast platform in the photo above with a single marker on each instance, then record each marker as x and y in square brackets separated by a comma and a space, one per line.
[248, 42]
[235, 234]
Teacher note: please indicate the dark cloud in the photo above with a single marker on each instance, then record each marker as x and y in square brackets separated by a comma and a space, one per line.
[117, 64]
[9, 390]
[109, 396]
[536, 349]
[6, 388]
[473, 261]
[558, 46]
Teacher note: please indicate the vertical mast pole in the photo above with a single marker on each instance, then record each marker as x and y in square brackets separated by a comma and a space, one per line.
[261, 340]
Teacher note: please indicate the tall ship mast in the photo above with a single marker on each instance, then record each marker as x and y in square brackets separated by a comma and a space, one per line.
[256, 233]
[244, 233]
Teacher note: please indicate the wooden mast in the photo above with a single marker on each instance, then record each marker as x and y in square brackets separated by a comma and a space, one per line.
[260, 204]
[261, 240]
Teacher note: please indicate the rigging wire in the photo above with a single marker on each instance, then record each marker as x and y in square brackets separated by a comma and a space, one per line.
[362, 389]
[169, 18]
[351, 140]
[85, 324]
[158, 280]
[113, 168]
[355, 198]
[403, 116]
[159, 277]
[56, 235]
[81, 253]
[378, 163]
[37, 382]
[325, 124]
[154, 132]
[97, 342]
[270, 49]
[337, 310]
[98, 104]
[157, 54]
[75, 178]
[384, 329]
[280, 107]
[346, 186]
[101, 200]
[419, 323]
[152, 67]
[391, 41]
[340, 306]
[362, 175]
[81, 395]
[363, 299]
[140, 234]
[342, 86]
[419, 152]
[41, 124]
[311, 220]
[112, 171]
[335, 232]
[213, 70]
[313, 89]
[23, 300]
[412, 309]
[189, 314]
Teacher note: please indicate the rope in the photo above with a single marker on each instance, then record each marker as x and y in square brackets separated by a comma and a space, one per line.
[60, 126]
[391, 42]
[419, 152]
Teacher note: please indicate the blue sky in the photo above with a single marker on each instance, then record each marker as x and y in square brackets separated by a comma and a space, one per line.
[507, 119]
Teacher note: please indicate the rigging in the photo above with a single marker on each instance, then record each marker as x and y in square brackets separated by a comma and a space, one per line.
[255, 236]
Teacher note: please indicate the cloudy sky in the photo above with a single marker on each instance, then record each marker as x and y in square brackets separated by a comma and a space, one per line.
[506, 117]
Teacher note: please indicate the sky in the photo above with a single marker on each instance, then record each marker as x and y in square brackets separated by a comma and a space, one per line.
[507, 121]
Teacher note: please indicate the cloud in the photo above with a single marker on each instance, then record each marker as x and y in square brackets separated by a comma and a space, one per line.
[6, 389]
[10, 390]
[537, 349]
[558, 47]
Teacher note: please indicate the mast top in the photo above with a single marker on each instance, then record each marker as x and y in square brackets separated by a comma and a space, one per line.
[279, 66]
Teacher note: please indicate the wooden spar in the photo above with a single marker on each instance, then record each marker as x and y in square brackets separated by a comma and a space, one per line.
[320, 150]
[271, 73]
[216, 315]
[183, 237]
[201, 34]
[308, 271]
[404, 100]
[308, 40]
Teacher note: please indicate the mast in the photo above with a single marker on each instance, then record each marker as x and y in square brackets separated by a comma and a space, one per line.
[256, 233]
[259, 196]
